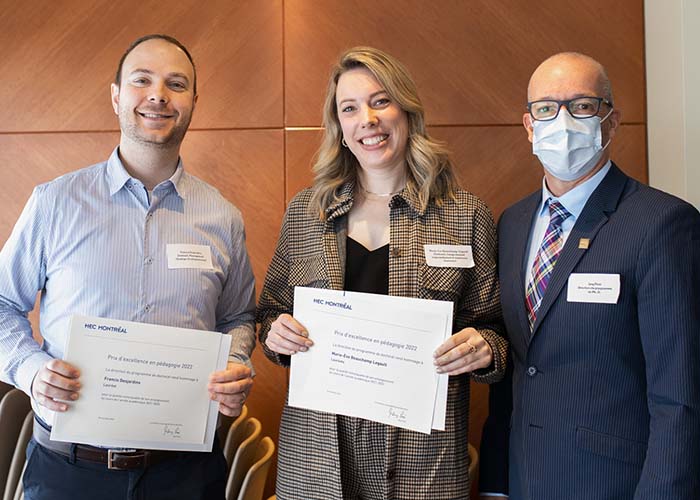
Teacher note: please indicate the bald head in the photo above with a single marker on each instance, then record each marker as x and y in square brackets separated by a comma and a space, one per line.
[566, 72]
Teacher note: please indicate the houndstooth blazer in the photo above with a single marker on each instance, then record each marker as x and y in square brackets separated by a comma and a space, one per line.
[311, 253]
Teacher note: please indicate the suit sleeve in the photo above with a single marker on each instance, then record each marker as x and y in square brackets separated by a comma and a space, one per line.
[494, 451]
[668, 292]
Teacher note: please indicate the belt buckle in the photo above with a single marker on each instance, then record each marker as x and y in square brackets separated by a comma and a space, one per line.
[112, 454]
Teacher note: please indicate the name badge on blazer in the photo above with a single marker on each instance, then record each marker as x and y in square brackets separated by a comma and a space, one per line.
[593, 288]
[449, 255]
[181, 256]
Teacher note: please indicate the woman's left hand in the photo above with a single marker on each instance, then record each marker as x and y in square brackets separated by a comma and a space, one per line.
[463, 352]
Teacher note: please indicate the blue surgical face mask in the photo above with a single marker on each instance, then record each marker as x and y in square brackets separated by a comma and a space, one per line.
[567, 147]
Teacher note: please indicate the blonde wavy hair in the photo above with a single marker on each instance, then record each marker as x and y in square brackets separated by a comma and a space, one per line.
[430, 172]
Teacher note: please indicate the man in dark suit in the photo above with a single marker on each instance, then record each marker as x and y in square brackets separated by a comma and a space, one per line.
[600, 287]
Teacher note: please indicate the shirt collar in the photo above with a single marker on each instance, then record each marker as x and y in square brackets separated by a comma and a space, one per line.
[118, 177]
[574, 200]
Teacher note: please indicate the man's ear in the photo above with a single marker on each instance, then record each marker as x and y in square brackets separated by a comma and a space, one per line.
[527, 123]
[615, 120]
[114, 89]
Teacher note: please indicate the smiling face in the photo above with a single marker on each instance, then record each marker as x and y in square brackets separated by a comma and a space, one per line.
[155, 98]
[374, 127]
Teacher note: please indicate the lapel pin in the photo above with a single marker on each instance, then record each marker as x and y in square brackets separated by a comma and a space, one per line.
[583, 243]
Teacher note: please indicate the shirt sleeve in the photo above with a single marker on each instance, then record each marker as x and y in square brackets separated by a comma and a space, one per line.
[235, 312]
[22, 275]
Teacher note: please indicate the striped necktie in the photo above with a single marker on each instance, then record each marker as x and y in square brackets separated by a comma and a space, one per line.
[545, 259]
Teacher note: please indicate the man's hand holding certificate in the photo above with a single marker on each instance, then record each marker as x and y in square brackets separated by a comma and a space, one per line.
[143, 386]
[372, 357]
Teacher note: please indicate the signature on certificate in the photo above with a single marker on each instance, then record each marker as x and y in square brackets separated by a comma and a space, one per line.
[398, 414]
[169, 429]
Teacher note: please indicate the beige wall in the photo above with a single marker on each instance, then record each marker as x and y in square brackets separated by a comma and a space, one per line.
[673, 82]
[262, 69]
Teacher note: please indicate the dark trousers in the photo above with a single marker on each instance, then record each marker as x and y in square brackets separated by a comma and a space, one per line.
[189, 476]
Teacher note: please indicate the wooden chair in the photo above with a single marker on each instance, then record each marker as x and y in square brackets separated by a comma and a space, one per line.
[234, 436]
[14, 407]
[473, 463]
[254, 482]
[13, 488]
[244, 457]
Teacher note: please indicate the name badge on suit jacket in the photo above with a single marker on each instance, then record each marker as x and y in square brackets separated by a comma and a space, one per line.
[593, 288]
[449, 255]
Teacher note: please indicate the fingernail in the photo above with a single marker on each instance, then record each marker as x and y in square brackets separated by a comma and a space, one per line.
[309, 343]
[303, 349]
[74, 396]
[304, 333]
[63, 407]
[439, 370]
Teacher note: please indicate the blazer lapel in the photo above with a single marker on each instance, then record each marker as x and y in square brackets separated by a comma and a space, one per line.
[603, 201]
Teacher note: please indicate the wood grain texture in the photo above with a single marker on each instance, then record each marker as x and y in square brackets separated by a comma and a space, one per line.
[471, 60]
[59, 58]
[495, 163]
[264, 64]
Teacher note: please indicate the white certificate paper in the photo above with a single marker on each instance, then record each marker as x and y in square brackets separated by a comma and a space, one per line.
[372, 357]
[144, 386]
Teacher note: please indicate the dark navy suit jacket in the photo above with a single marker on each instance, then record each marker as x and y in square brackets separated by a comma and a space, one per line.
[605, 398]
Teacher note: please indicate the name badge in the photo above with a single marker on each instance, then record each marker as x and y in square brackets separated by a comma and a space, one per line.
[449, 255]
[593, 288]
[181, 256]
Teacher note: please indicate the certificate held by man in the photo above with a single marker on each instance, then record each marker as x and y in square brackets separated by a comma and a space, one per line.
[372, 357]
[148, 385]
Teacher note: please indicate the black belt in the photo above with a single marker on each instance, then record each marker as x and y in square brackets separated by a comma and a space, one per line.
[114, 459]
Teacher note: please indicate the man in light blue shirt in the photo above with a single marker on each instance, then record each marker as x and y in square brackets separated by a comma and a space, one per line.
[95, 242]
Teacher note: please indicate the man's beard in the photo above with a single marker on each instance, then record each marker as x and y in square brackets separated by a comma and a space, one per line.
[138, 134]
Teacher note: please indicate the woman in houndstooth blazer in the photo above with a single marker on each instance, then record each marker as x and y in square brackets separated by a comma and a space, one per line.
[385, 188]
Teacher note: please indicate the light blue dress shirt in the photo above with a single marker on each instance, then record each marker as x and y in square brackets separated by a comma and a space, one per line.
[573, 200]
[93, 242]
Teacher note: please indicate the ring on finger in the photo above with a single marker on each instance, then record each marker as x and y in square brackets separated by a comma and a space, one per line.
[472, 348]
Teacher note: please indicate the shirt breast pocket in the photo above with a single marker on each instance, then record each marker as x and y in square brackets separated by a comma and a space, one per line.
[440, 283]
[309, 272]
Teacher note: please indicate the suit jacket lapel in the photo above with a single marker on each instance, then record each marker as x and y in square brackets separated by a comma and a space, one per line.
[520, 239]
[603, 201]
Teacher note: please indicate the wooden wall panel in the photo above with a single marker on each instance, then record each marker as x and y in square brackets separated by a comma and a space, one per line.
[471, 60]
[262, 68]
[59, 58]
[28, 160]
[495, 163]
[247, 166]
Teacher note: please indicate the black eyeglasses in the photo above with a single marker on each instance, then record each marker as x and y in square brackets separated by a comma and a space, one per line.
[580, 107]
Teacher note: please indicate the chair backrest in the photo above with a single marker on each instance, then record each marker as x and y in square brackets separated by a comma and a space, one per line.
[473, 463]
[234, 436]
[4, 389]
[14, 407]
[254, 482]
[244, 458]
[13, 488]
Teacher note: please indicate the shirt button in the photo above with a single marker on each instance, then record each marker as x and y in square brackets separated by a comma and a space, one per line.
[390, 474]
[396, 252]
[148, 260]
[532, 371]
[147, 308]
